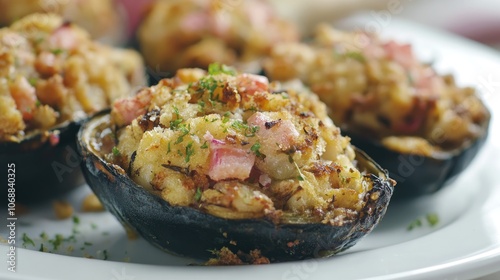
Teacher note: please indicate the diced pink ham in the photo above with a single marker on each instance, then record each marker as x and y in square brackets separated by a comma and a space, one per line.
[64, 38]
[428, 84]
[228, 162]
[401, 53]
[259, 13]
[25, 97]
[250, 83]
[281, 132]
[54, 139]
[127, 109]
[194, 22]
[416, 121]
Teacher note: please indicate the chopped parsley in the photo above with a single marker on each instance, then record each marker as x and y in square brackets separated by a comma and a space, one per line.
[201, 103]
[168, 148]
[189, 151]
[210, 84]
[57, 51]
[432, 219]
[301, 176]
[87, 243]
[76, 220]
[27, 240]
[414, 224]
[357, 56]
[204, 146]
[256, 150]
[44, 236]
[57, 241]
[225, 117]
[176, 111]
[33, 81]
[197, 195]
[185, 130]
[248, 131]
[115, 151]
[216, 68]
[175, 123]
[42, 249]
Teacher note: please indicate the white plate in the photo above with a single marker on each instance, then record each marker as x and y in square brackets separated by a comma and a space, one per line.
[464, 244]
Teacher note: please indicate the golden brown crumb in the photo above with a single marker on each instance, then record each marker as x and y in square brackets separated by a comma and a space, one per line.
[92, 204]
[62, 209]
[131, 233]
[224, 256]
[257, 258]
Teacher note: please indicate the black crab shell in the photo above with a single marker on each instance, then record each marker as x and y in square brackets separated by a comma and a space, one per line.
[193, 233]
[43, 169]
[418, 175]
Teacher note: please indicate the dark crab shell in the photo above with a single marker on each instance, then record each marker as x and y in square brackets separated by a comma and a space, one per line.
[43, 168]
[190, 232]
[418, 175]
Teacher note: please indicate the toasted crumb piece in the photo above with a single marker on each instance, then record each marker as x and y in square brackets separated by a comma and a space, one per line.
[92, 204]
[227, 257]
[131, 233]
[62, 209]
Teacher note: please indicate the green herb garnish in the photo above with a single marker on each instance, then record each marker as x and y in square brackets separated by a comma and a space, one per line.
[57, 51]
[210, 84]
[357, 56]
[57, 241]
[189, 151]
[176, 111]
[416, 223]
[197, 195]
[216, 68]
[33, 81]
[256, 150]
[175, 123]
[204, 146]
[44, 236]
[225, 117]
[27, 240]
[432, 219]
[201, 103]
[185, 130]
[115, 151]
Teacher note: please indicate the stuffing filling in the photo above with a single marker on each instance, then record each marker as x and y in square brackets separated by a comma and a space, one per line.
[52, 72]
[379, 89]
[236, 146]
